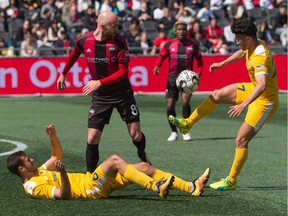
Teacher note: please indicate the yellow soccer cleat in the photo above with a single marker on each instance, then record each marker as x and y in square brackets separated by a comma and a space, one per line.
[224, 184]
[200, 183]
[164, 186]
[181, 123]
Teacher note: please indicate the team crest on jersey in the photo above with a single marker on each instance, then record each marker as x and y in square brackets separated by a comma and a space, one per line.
[112, 49]
[259, 67]
[95, 176]
[91, 113]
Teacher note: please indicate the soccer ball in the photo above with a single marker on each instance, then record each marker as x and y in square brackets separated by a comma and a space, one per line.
[187, 81]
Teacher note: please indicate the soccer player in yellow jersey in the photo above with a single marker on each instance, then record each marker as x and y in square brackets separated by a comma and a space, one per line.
[260, 96]
[114, 173]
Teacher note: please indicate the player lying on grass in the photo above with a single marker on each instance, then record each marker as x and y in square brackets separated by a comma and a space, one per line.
[114, 173]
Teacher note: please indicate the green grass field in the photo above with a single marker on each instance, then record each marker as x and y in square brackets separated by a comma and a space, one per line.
[262, 184]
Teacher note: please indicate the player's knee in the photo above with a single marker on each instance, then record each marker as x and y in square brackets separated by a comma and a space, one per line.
[215, 96]
[136, 135]
[241, 142]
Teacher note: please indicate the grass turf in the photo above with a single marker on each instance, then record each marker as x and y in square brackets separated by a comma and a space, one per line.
[262, 184]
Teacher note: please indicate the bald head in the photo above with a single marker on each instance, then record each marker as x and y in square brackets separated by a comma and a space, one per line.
[106, 17]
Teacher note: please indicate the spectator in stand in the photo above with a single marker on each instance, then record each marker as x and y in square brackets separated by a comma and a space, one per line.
[215, 35]
[28, 47]
[13, 13]
[31, 13]
[48, 11]
[265, 34]
[167, 21]
[186, 14]
[284, 38]
[159, 42]
[196, 27]
[145, 43]
[133, 35]
[135, 6]
[249, 4]
[53, 32]
[205, 14]
[203, 43]
[62, 44]
[216, 4]
[109, 5]
[6, 48]
[196, 5]
[144, 13]
[281, 20]
[26, 28]
[229, 36]
[236, 10]
[89, 19]
[158, 12]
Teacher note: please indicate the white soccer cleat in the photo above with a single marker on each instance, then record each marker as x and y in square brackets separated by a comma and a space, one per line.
[173, 137]
[186, 137]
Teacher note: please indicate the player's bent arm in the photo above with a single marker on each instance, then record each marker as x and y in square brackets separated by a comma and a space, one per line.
[238, 55]
[65, 191]
[56, 148]
[258, 90]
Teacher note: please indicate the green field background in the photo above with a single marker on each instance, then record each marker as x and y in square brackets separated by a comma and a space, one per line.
[262, 184]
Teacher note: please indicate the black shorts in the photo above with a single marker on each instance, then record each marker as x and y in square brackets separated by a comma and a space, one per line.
[101, 110]
[171, 89]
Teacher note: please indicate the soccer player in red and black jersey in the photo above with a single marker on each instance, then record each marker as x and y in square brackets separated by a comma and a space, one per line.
[107, 58]
[181, 52]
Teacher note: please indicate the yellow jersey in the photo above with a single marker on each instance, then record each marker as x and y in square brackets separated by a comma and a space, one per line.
[261, 62]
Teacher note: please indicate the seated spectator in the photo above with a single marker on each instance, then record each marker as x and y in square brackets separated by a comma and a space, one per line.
[186, 14]
[62, 44]
[144, 13]
[89, 19]
[158, 12]
[264, 33]
[6, 49]
[281, 20]
[133, 35]
[236, 10]
[167, 21]
[195, 28]
[26, 28]
[284, 38]
[159, 42]
[215, 35]
[203, 43]
[195, 5]
[53, 32]
[216, 4]
[145, 43]
[205, 14]
[109, 5]
[31, 14]
[28, 47]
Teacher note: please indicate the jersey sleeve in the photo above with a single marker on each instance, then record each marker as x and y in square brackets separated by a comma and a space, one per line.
[39, 190]
[123, 53]
[260, 61]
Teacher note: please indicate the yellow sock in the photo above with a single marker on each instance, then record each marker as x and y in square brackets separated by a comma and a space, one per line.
[135, 176]
[178, 184]
[206, 107]
[240, 158]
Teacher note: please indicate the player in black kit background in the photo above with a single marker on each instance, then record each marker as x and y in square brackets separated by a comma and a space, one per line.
[108, 59]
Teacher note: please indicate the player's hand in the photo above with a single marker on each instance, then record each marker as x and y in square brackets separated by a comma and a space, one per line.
[216, 66]
[91, 86]
[156, 70]
[236, 111]
[60, 166]
[61, 82]
[50, 130]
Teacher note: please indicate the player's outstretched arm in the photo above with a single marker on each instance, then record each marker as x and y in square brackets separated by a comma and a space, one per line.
[238, 55]
[56, 148]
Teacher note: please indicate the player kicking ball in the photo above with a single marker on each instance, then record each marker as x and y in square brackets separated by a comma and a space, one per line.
[114, 173]
[260, 96]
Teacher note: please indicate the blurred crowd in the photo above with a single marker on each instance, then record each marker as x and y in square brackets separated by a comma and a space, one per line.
[50, 27]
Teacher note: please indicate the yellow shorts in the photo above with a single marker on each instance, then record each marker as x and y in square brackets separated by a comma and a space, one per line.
[260, 110]
[101, 185]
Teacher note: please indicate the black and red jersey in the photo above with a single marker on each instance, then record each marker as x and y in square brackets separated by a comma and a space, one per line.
[180, 56]
[104, 60]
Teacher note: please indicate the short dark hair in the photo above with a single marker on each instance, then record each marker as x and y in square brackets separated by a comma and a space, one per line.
[244, 26]
[14, 161]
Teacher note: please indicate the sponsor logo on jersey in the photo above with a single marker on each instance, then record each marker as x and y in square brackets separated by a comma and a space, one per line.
[98, 60]
[95, 176]
[112, 49]
[259, 67]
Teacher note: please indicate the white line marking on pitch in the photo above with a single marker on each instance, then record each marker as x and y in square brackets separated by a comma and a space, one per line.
[20, 146]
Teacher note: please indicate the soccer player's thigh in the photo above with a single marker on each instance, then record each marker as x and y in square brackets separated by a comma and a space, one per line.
[259, 112]
[128, 109]
[172, 93]
[243, 91]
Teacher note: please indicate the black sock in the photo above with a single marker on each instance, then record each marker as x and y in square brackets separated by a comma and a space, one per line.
[92, 157]
[141, 144]
[172, 126]
[186, 111]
